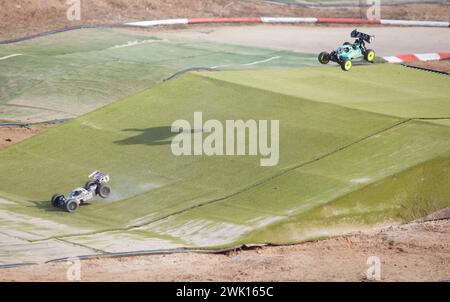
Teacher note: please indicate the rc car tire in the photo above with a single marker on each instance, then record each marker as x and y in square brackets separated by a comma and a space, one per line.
[104, 190]
[55, 199]
[324, 57]
[72, 205]
[89, 184]
[369, 55]
[346, 65]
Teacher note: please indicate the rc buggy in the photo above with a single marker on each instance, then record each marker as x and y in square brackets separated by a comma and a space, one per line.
[348, 51]
[97, 185]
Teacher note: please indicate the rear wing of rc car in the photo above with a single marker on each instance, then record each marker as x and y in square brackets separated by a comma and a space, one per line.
[359, 35]
[99, 176]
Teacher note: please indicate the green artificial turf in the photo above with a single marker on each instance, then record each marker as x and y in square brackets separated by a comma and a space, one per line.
[68, 74]
[346, 161]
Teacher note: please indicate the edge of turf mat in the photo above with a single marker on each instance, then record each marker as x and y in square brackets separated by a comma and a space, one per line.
[381, 168]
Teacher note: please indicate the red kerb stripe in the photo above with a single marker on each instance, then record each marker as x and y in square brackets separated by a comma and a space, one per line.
[408, 58]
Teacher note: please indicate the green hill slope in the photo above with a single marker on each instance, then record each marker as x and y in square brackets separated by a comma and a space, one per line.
[346, 162]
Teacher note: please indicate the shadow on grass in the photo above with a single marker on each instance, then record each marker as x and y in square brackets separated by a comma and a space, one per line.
[155, 136]
[46, 205]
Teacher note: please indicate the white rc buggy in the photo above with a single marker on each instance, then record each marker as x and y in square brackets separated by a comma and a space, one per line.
[98, 185]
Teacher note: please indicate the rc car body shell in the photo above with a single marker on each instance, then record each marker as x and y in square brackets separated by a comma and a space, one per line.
[81, 195]
[347, 52]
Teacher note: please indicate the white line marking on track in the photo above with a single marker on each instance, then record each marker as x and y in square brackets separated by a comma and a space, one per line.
[11, 56]
[135, 43]
[263, 61]
[249, 64]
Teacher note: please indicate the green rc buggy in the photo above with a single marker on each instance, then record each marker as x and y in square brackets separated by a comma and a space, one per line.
[348, 51]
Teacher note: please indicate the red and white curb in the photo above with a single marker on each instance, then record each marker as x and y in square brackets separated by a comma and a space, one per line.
[417, 57]
[185, 21]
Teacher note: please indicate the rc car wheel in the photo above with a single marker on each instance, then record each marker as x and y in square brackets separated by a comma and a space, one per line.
[71, 205]
[104, 190]
[56, 199]
[324, 57]
[369, 55]
[346, 64]
[88, 184]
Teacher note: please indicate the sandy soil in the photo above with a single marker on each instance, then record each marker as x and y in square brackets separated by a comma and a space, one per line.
[443, 65]
[13, 134]
[19, 18]
[413, 252]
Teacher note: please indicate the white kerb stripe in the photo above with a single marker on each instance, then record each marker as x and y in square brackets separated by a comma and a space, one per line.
[427, 56]
[415, 23]
[393, 59]
[288, 20]
[158, 22]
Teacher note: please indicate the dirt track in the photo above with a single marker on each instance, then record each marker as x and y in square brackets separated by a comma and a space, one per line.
[435, 65]
[414, 252]
[19, 18]
[14, 134]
